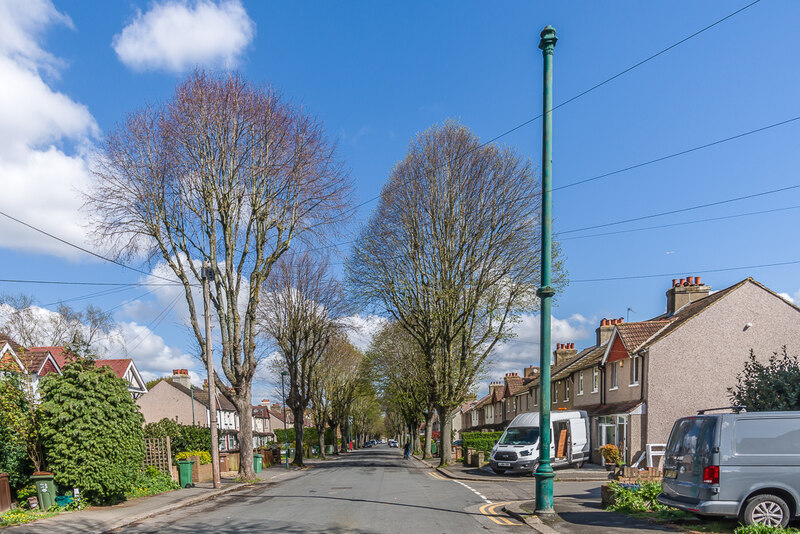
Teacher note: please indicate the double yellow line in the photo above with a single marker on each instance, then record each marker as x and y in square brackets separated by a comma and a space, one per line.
[491, 511]
[437, 476]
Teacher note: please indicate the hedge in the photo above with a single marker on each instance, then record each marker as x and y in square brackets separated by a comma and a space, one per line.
[480, 441]
[182, 437]
[310, 436]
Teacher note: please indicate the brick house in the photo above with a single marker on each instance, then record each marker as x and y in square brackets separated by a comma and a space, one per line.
[639, 377]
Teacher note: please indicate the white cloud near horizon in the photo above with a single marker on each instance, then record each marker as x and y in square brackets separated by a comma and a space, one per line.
[44, 135]
[794, 298]
[177, 36]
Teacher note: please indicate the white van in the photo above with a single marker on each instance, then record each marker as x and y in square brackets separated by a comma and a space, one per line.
[517, 450]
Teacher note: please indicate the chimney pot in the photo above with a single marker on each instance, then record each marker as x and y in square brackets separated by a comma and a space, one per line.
[697, 280]
[690, 280]
[682, 282]
[674, 282]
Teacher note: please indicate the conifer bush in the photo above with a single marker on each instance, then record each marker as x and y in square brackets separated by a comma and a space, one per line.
[91, 432]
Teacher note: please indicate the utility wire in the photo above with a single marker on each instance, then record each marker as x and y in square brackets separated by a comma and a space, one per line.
[681, 273]
[576, 97]
[695, 221]
[152, 325]
[681, 210]
[86, 250]
[69, 283]
[101, 293]
[676, 154]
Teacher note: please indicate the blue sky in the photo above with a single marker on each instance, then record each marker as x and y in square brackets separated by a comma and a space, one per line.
[377, 73]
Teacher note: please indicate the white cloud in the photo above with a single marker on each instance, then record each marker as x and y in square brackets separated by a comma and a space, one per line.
[523, 351]
[178, 35]
[361, 330]
[794, 298]
[40, 176]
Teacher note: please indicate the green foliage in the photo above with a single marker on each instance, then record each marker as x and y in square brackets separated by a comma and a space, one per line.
[18, 516]
[151, 481]
[610, 454]
[774, 386]
[19, 417]
[631, 498]
[205, 456]
[92, 432]
[763, 529]
[14, 459]
[480, 441]
[182, 437]
[310, 436]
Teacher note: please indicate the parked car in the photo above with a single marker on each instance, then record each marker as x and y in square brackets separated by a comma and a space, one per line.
[517, 450]
[744, 465]
[393, 444]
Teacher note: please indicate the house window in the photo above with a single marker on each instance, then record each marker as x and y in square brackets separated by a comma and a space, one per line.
[614, 383]
[635, 371]
[515, 405]
[554, 393]
[595, 379]
[580, 383]
[566, 390]
[536, 397]
[607, 430]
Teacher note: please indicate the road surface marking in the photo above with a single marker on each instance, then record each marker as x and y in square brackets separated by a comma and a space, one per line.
[491, 511]
[439, 476]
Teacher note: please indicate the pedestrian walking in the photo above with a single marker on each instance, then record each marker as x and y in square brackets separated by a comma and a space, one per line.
[407, 450]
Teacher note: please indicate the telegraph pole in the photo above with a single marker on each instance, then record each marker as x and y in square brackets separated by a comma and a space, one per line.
[207, 275]
[544, 471]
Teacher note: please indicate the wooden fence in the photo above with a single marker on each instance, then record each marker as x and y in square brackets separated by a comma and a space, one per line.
[157, 453]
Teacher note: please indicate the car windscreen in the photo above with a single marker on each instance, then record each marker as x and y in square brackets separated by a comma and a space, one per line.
[692, 435]
[521, 435]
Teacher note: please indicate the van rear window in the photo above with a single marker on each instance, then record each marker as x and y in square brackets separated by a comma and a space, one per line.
[767, 436]
[692, 435]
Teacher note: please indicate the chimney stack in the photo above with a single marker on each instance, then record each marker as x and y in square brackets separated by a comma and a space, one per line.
[181, 376]
[265, 402]
[531, 371]
[684, 291]
[493, 386]
[564, 352]
[605, 329]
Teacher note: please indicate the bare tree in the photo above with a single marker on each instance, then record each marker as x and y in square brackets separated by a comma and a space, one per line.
[301, 312]
[346, 378]
[228, 172]
[452, 254]
[398, 369]
[47, 328]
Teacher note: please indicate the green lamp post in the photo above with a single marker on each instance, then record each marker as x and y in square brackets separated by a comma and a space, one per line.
[544, 471]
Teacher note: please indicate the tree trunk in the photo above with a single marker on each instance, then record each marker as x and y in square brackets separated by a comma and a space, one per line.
[245, 435]
[416, 444]
[298, 437]
[336, 433]
[445, 443]
[321, 432]
[428, 435]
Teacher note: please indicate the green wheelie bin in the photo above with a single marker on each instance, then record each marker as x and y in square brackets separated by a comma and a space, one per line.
[257, 459]
[185, 473]
[45, 489]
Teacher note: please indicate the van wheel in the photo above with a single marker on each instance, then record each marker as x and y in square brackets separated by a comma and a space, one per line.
[769, 510]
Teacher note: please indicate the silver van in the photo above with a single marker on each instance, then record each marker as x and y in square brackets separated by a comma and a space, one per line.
[517, 450]
[744, 465]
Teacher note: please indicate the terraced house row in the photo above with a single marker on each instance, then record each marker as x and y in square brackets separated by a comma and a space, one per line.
[638, 377]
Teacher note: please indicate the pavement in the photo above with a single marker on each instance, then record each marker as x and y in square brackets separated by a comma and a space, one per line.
[98, 520]
[458, 471]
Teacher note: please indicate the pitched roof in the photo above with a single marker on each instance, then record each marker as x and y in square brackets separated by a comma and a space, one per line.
[119, 366]
[201, 395]
[33, 359]
[585, 358]
[634, 335]
[59, 354]
[483, 401]
[5, 338]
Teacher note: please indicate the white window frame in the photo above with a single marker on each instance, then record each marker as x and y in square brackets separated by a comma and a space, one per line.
[614, 380]
[554, 394]
[580, 383]
[566, 390]
[635, 372]
[536, 397]
[595, 379]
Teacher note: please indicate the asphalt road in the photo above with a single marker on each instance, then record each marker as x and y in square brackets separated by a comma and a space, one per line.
[370, 490]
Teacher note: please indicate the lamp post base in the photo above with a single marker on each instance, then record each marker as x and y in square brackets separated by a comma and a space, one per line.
[544, 490]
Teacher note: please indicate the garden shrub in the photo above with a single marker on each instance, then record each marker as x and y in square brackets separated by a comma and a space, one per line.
[763, 529]
[205, 456]
[310, 436]
[14, 460]
[480, 441]
[91, 431]
[611, 454]
[151, 481]
[631, 498]
[181, 437]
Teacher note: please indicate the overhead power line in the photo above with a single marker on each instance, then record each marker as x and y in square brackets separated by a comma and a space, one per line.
[71, 283]
[682, 210]
[681, 273]
[684, 223]
[83, 249]
[676, 154]
[579, 95]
